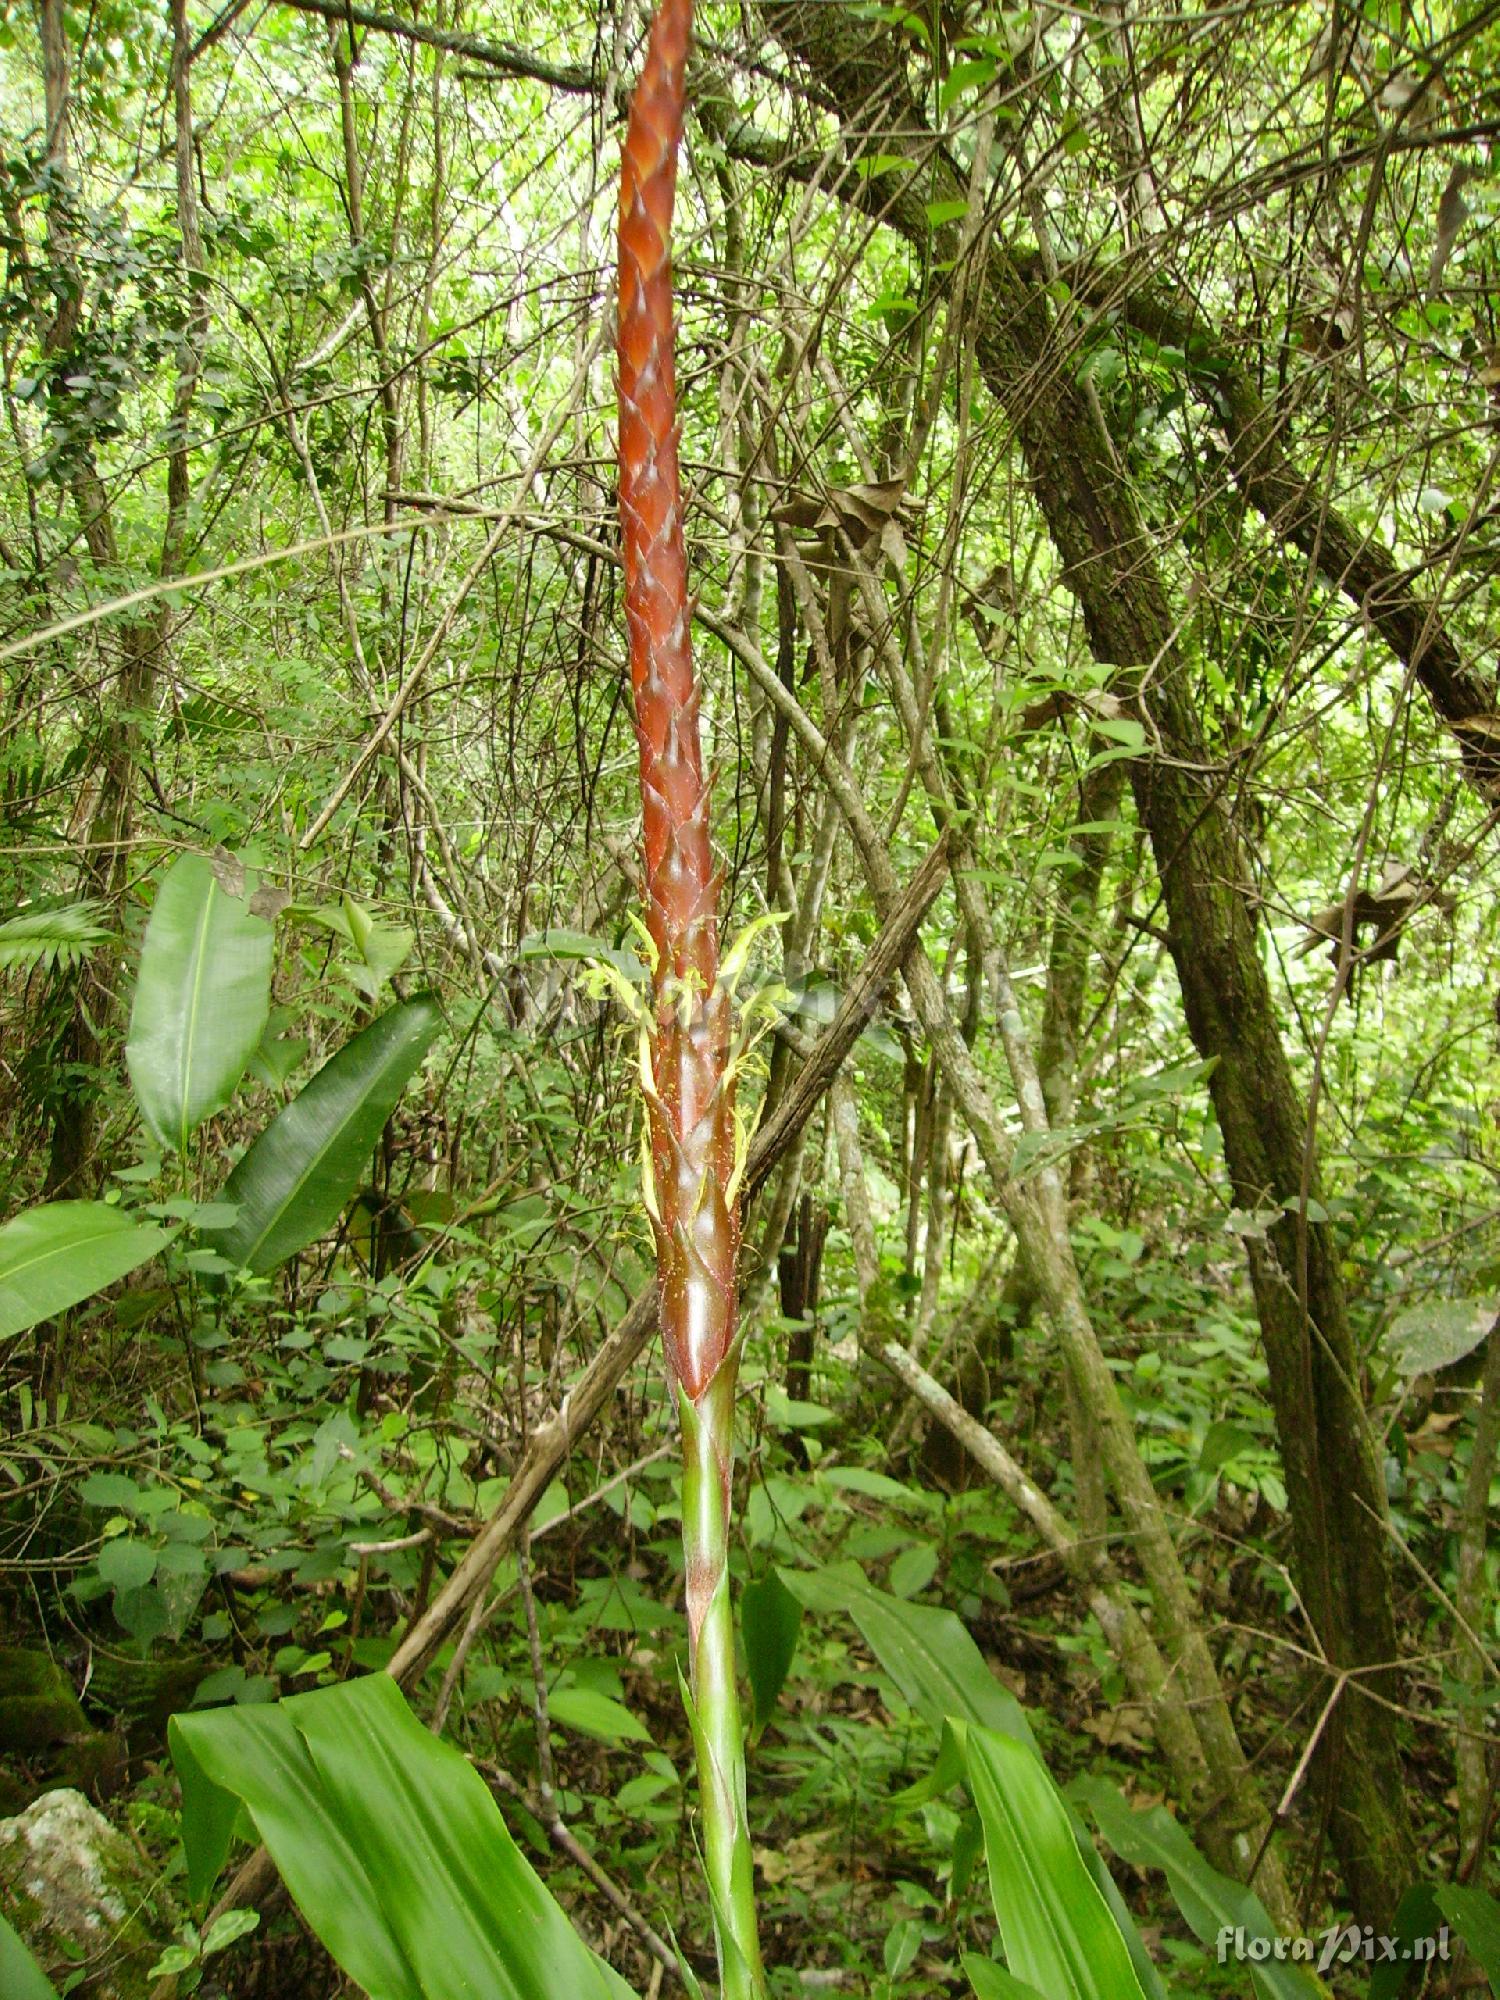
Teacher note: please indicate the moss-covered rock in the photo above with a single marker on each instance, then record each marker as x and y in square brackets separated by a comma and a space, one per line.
[45, 1736]
[80, 1896]
[139, 1695]
[38, 1707]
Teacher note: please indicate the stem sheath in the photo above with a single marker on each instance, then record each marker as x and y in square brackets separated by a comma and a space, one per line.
[718, 1733]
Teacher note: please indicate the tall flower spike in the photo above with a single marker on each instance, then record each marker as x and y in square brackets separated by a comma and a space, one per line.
[689, 1093]
[692, 1124]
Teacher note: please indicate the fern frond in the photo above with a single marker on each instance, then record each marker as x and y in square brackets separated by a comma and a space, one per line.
[55, 939]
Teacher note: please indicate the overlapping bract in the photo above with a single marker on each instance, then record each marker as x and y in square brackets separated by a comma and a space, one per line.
[691, 1090]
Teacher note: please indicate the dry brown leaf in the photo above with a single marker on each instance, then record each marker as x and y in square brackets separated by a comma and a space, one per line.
[1123, 1728]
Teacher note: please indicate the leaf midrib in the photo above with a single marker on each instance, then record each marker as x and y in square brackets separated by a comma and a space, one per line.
[304, 1178]
[189, 1040]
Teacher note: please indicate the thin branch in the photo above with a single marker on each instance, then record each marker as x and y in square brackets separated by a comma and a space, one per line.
[413, 680]
[180, 585]
[567, 1843]
[502, 57]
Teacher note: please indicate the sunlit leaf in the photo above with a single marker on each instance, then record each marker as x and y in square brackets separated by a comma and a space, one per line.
[62, 1252]
[389, 1842]
[201, 1001]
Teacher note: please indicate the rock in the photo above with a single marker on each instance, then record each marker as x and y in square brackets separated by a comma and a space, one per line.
[80, 1897]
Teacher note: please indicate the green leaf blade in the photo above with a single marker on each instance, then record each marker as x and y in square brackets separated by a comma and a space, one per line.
[1058, 1932]
[1475, 1915]
[56, 1255]
[992, 1982]
[55, 939]
[293, 1183]
[21, 1978]
[1425, 1338]
[202, 998]
[597, 1715]
[930, 1655]
[253, 1756]
[391, 1845]
[1210, 1901]
[770, 1619]
[926, 1651]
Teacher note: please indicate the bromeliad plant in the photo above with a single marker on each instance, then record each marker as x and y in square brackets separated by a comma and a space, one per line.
[687, 1068]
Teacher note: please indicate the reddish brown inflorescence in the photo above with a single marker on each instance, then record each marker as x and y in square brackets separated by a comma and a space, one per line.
[690, 1090]
[691, 1104]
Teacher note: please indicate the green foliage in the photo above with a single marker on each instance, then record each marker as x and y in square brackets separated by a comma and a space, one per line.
[935, 1663]
[770, 1617]
[185, 1960]
[1424, 1338]
[54, 1256]
[1210, 1901]
[291, 1186]
[202, 996]
[595, 1714]
[1475, 1915]
[53, 940]
[1058, 1932]
[926, 1652]
[21, 1978]
[992, 1982]
[374, 951]
[390, 1843]
[232, 1476]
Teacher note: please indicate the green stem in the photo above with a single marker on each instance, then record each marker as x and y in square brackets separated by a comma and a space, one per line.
[714, 1706]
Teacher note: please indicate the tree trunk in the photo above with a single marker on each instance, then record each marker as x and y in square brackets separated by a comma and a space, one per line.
[107, 841]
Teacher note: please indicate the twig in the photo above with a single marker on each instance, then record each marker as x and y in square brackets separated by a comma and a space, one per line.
[567, 1842]
[390, 1547]
[451, 1524]
[545, 1787]
[1293, 1783]
[482, 1610]
[479, 1616]
[590, 1499]
[506, 519]
[180, 585]
[500, 57]
[1089, 1569]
